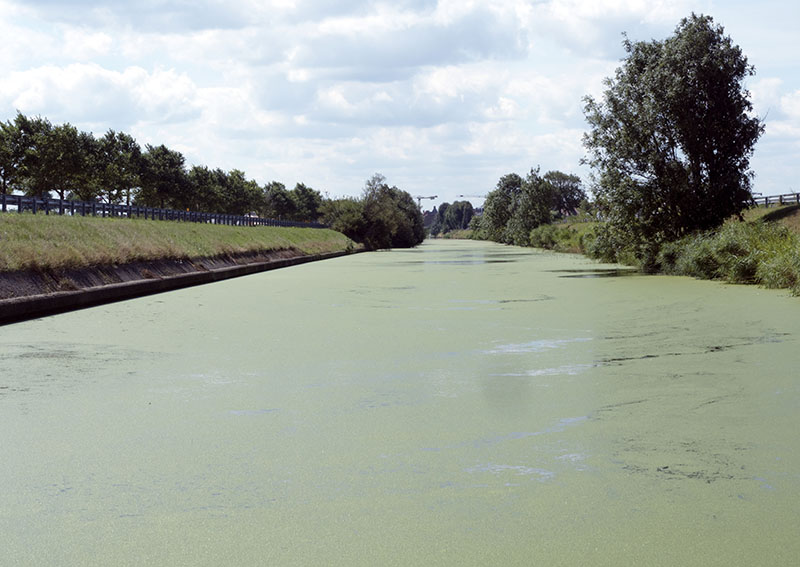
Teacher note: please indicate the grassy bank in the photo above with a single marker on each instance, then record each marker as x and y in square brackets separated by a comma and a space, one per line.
[49, 242]
[765, 251]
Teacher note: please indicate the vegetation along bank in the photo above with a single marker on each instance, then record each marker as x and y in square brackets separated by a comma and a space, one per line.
[669, 146]
[52, 263]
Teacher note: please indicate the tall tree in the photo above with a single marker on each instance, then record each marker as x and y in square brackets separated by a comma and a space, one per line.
[164, 178]
[59, 160]
[10, 158]
[307, 202]
[568, 192]
[499, 206]
[241, 196]
[533, 208]
[457, 216]
[392, 217]
[207, 189]
[117, 167]
[672, 138]
[278, 202]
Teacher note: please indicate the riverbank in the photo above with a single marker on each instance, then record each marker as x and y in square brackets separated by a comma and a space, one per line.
[764, 250]
[50, 264]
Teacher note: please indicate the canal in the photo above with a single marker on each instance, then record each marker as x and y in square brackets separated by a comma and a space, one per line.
[461, 403]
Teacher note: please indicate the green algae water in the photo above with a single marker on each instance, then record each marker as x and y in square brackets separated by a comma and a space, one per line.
[458, 404]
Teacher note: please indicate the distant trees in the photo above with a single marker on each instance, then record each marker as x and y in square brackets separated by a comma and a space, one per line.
[449, 217]
[517, 206]
[384, 216]
[38, 158]
[671, 139]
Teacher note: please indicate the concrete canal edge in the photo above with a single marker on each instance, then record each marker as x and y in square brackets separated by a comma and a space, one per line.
[17, 309]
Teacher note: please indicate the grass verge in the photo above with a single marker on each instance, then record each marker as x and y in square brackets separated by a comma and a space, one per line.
[50, 242]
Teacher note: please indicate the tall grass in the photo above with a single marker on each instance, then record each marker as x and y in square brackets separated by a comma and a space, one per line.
[566, 237]
[56, 242]
[764, 253]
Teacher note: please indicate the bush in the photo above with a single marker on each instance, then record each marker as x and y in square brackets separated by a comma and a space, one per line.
[764, 253]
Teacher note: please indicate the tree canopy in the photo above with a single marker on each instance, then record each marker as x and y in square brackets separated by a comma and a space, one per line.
[384, 216]
[517, 206]
[671, 140]
[38, 158]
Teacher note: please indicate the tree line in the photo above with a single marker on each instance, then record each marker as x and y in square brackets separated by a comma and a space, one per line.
[38, 158]
[518, 205]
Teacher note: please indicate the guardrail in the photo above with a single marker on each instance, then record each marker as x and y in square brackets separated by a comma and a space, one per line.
[785, 199]
[20, 204]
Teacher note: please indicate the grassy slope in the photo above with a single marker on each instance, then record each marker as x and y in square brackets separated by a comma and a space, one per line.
[55, 242]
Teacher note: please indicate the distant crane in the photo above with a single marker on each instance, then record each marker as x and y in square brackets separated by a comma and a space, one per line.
[419, 199]
[474, 196]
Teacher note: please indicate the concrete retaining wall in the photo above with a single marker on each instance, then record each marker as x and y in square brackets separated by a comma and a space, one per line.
[29, 307]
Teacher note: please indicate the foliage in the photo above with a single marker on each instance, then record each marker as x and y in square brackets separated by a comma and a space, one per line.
[453, 217]
[117, 166]
[517, 206]
[307, 202]
[671, 140]
[392, 218]
[278, 202]
[345, 216]
[536, 199]
[38, 158]
[764, 253]
[499, 206]
[568, 193]
[164, 181]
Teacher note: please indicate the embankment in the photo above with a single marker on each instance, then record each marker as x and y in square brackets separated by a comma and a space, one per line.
[55, 264]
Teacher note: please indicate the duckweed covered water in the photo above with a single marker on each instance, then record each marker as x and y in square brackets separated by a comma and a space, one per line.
[458, 404]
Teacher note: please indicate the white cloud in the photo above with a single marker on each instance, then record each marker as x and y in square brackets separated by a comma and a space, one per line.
[88, 93]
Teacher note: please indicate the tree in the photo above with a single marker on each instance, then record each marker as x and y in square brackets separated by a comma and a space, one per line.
[568, 192]
[672, 138]
[345, 216]
[393, 219]
[278, 202]
[10, 157]
[438, 223]
[457, 216]
[164, 178]
[533, 208]
[58, 160]
[208, 189]
[241, 196]
[306, 203]
[499, 206]
[117, 164]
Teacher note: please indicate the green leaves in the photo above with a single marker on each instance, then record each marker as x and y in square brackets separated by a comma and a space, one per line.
[671, 140]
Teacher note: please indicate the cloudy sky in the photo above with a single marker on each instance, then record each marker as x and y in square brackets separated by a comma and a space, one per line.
[442, 97]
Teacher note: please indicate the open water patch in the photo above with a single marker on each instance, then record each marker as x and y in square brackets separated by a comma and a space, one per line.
[598, 273]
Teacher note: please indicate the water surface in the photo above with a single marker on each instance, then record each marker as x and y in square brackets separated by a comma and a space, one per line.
[458, 404]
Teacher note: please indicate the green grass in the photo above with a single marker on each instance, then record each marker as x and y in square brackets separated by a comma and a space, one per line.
[562, 237]
[44, 242]
[756, 252]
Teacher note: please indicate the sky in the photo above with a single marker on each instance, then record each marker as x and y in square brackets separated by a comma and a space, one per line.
[442, 97]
